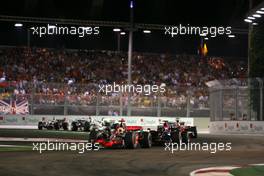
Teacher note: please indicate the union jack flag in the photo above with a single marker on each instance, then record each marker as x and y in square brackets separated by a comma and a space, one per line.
[14, 107]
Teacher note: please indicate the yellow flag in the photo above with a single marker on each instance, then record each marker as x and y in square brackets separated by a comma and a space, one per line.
[204, 50]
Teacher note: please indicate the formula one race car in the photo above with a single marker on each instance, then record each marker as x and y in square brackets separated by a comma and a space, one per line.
[85, 124]
[118, 135]
[80, 124]
[173, 132]
[56, 124]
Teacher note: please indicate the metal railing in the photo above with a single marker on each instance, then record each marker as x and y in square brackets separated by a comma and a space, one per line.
[84, 99]
[230, 101]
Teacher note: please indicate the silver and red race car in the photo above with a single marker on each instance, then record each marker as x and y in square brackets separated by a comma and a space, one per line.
[55, 124]
[119, 135]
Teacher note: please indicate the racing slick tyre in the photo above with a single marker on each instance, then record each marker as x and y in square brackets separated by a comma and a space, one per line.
[155, 138]
[175, 137]
[40, 125]
[166, 137]
[56, 126]
[185, 137]
[65, 126]
[194, 132]
[87, 126]
[74, 127]
[50, 127]
[130, 140]
[93, 135]
[146, 141]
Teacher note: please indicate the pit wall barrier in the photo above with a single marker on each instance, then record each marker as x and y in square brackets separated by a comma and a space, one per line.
[146, 122]
[236, 127]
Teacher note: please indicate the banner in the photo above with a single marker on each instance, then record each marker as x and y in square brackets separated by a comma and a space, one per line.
[14, 107]
[145, 122]
[237, 127]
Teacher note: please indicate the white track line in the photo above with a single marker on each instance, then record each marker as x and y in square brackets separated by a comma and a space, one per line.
[213, 171]
[18, 127]
[203, 132]
[12, 139]
[257, 164]
[13, 146]
[218, 171]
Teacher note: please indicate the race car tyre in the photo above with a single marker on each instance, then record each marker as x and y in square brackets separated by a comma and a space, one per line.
[40, 125]
[50, 127]
[56, 126]
[74, 127]
[175, 137]
[87, 126]
[155, 137]
[65, 126]
[93, 135]
[130, 140]
[194, 132]
[146, 141]
[166, 137]
[185, 137]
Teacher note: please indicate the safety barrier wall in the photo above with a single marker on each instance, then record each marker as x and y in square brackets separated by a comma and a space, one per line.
[150, 122]
[236, 127]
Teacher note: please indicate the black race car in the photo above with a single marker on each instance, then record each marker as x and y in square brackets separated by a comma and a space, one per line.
[55, 124]
[80, 124]
[173, 132]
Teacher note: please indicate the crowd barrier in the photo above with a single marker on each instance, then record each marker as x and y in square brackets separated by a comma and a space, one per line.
[32, 120]
[236, 127]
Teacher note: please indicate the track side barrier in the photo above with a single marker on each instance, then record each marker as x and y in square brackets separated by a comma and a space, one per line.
[145, 122]
[236, 127]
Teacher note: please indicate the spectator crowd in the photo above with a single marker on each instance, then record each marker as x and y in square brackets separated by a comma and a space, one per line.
[55, 74]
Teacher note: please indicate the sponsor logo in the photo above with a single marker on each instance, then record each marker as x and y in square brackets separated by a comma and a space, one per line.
[258, 128]
[11, 119]
[244, 127]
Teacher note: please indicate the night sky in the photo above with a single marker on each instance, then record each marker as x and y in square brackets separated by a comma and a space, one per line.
[221, 12]
[169, 12]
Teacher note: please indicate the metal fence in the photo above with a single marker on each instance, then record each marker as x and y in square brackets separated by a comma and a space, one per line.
[232, 100]
[84, 99]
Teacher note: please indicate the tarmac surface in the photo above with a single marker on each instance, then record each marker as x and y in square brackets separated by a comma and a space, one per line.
[156, 161]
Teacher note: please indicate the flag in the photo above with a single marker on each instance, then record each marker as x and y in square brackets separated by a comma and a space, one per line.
[204, 49]
[14, 107]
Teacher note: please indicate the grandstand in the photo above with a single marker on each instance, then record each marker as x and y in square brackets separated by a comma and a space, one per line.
[65, 82]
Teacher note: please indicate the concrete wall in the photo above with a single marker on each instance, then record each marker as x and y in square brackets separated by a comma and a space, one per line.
[32, 120]
[237, 127]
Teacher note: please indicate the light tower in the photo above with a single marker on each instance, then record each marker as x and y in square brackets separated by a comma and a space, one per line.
[130, 45]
